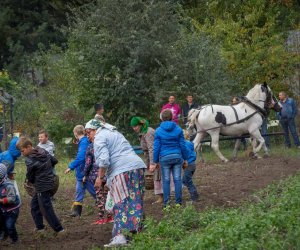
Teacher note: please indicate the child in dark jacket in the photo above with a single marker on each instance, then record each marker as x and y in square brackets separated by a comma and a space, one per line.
[187, 178]
[9, 207]
[40, 166]
[78, 165]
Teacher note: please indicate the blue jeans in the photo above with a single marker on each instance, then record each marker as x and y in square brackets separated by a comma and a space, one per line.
[8, 223]
[171, 164]
[289, 125]
[264, 131]
[81, 188]
[41, 206]
[187, 180]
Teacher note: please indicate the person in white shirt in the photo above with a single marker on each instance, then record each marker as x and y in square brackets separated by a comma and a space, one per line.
[45, 143]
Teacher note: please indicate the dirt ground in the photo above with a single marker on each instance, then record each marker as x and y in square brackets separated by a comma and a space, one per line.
[221, 185]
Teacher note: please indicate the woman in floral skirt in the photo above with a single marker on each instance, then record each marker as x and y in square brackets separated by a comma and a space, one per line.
[124, 171]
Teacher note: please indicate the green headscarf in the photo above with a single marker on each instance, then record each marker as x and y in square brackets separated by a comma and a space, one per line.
[136, 120]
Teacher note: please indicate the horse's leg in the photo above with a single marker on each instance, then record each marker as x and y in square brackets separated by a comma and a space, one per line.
[254, 144]
[258, 138]
[215, 144]
[236, 148]
[197, 141]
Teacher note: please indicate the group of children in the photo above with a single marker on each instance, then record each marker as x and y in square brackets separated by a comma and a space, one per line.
[40, 162]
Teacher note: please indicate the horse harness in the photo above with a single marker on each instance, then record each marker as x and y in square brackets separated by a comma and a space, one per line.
[258, 110]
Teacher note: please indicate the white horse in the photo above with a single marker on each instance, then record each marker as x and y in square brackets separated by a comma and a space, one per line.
[245, 117]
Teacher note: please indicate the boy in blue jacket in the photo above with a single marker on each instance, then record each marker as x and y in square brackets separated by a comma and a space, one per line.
[9, 156]
[9, 207]
[78, 165]
[187, 178]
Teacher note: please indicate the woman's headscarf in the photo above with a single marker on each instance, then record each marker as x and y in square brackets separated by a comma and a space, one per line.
[136, 120]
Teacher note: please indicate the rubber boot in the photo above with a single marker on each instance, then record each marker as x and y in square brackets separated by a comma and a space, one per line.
[76, 209]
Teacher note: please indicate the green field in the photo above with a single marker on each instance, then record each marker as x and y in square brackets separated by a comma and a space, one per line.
[271, 222]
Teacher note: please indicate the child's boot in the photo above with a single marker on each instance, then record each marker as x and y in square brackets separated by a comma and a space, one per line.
[76, 209]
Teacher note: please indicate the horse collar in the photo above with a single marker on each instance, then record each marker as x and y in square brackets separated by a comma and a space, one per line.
[263, 112]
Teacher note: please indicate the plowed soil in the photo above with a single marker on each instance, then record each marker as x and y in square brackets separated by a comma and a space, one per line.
[219, 185]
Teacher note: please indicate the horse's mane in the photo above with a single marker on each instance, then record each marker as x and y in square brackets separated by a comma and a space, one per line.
[253, 93]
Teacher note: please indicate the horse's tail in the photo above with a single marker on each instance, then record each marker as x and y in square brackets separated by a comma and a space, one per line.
[193, 114]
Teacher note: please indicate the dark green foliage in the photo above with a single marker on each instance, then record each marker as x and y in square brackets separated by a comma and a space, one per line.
[132, 55]
[26, 25]
[252, 37]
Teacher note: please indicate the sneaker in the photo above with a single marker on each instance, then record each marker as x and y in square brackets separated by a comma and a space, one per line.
[118, 240]
[178, 205]
[39, 231]
[167, 208]
[100, 222]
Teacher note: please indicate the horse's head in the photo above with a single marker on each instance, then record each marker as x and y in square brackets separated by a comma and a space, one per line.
[270, 101]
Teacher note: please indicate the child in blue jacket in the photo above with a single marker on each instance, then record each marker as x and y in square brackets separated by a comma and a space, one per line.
[187, 178]
[78, 165]
[9, 156]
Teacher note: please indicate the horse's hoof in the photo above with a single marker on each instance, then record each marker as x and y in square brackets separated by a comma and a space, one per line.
[266, 155]
[225, 161]
[234, 159]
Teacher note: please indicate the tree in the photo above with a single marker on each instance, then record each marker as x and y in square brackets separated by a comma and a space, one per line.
[26, 25]
[130, 55]
[252, 37]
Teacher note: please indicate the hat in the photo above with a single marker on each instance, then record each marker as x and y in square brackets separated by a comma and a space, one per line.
[3, 171]
[136, 120]
[98, 106]
[93, 124]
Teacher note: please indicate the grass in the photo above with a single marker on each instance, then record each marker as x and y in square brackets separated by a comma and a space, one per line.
[226, 148]
[272, 222]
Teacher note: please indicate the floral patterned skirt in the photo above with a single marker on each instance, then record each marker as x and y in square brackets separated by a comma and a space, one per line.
[129, 212]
